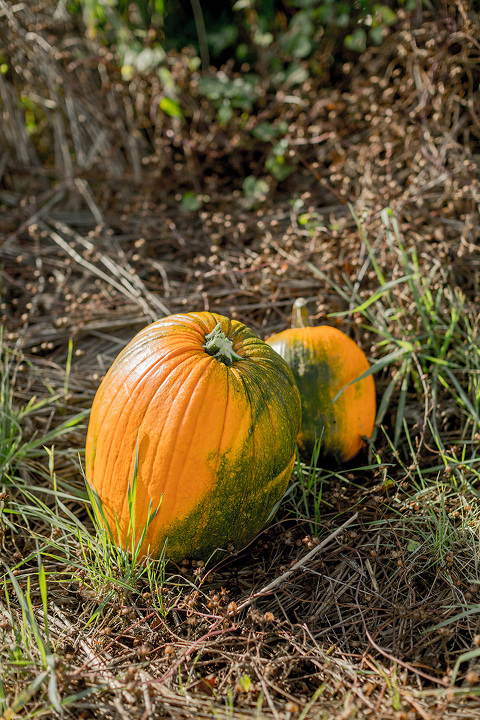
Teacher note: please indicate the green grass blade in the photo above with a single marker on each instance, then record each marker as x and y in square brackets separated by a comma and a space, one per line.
[402, 401]
[375, 367]
[52, 689]
[26, 695]
[43, 593]
[373, 298]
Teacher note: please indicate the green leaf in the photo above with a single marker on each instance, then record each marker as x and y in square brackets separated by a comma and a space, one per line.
[170, 107]
[225, 113]
[149, 58]
[413, 546]
[342, 20]
[265, 132]
[240, 92]
[376, 34]
[245, 682]
[297, 41]
[190, 202]
[243, 4]
[387, 15]
[168, 83]
[223, 38]
[276, 165]
[263, 39]
[357, 40]
[295, 74]
[255, 188]
[241, 51]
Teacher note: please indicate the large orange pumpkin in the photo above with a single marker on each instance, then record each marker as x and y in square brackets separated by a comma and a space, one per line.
[212, 413]
[324, 361]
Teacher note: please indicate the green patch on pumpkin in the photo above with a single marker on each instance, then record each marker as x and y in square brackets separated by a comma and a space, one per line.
[316, 378]
[234, 511]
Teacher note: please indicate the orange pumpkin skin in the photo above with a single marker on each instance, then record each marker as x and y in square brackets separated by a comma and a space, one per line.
[324, 360]
[216, 443]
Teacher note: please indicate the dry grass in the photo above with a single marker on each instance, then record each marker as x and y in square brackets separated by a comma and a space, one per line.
[368, 622]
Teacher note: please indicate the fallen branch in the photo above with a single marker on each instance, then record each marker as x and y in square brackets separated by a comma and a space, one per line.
[299, 564]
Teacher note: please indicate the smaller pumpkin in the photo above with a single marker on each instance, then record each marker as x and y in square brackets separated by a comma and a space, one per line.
[324, 361]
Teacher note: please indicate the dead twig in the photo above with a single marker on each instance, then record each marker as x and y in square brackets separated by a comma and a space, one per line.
[300, 564]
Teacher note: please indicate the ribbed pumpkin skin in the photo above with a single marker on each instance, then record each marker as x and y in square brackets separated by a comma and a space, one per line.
[216, 443]
[324, 360]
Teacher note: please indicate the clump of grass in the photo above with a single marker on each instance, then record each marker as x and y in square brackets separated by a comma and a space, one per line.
[425, 339]
[53, 540]
[85, 549]
[416, 489]
[21, 448]
[31, 651]
[69, 552]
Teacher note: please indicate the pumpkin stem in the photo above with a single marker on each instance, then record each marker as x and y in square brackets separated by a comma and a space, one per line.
[220, 346]
[300, 317]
